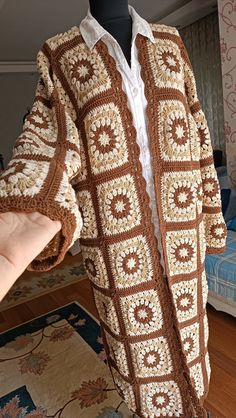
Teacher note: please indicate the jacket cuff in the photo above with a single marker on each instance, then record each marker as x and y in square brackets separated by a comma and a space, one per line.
[215, 232]
[54, 252]
[215, 250]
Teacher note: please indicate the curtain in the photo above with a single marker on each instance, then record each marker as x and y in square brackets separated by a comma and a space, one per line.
[202, 41]
[227, 24]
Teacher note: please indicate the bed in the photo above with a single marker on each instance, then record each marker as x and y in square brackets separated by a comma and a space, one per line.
[221, 268]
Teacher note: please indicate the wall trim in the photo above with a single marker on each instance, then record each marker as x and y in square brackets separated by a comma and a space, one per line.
[18, 67]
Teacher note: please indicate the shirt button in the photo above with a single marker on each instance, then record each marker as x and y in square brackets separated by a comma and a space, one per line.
[141, 130]
[135, 91]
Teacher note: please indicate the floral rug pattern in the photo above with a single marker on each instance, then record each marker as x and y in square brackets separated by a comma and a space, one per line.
[31, 285]
[55, 367]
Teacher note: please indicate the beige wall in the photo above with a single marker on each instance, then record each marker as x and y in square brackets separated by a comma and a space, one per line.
[17, 93]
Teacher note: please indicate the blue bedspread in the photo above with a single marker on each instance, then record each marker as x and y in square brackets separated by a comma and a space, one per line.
[221, 269]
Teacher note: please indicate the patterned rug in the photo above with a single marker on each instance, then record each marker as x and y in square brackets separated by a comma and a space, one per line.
[55, 367]
[31, 285]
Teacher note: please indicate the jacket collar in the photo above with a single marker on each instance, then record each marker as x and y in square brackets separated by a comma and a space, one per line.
[92, 31]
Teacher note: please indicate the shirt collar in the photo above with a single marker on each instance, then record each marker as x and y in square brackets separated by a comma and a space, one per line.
[92, 31]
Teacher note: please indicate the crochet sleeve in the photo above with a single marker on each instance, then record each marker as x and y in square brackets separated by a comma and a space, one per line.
[214, 223]
[45, 158]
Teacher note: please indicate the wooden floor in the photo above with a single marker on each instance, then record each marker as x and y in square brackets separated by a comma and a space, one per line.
[221, 400]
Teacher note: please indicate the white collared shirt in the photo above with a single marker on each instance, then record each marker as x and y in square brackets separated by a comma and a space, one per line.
[133, 86]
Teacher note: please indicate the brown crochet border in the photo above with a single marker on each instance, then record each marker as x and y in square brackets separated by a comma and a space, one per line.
[152, 93]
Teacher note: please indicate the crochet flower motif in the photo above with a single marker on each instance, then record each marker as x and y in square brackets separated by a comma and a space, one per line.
[142, 313]
[90, 266]
[176, 138]
[185, 295]
[215, 230]
[118, 354]
[218, 231]
[107, 145]
[182, 251]
[182, 196]
[174, 131]
[157, 398]
[190, 340]
[83, 72]
[210, 187]
[166, 64]
[103, 127]
[177, 130]
[39, 119]
[168, 61]
[197, 377]
[184, 302]
[86, 207]
[95, 266]
[203, 132]
[190, 86]
[124, 389]
[131, 262]
[25, 178]
[107, 312]
[119, 205]
[152, 358]
[86, 72]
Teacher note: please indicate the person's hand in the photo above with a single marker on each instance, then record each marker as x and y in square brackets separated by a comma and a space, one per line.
[22, 237]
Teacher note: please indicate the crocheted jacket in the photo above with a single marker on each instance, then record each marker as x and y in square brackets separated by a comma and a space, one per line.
[77, 160]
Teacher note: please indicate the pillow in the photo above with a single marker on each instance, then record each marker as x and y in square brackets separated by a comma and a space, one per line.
[225, 197]
[232, 224]
[231, 209]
